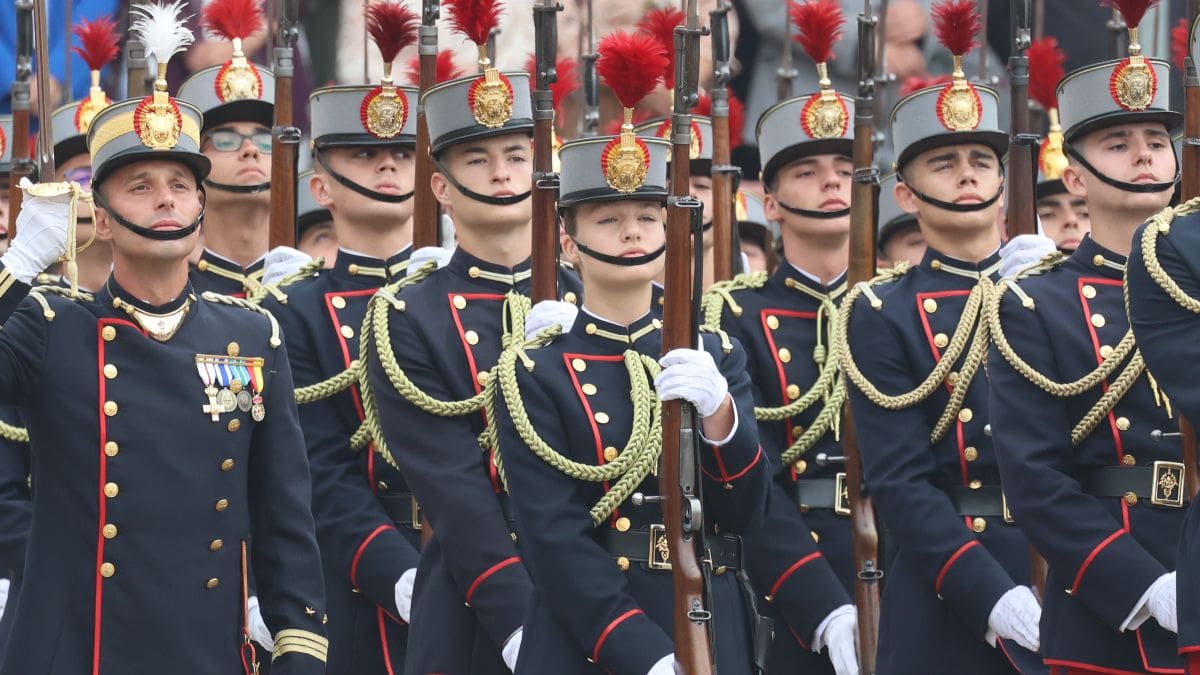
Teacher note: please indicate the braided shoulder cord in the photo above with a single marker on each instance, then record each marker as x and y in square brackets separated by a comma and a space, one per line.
[1104, 405]
[1160, 223]
[720, 294]
[326, 388]
[306, 271]
[38, 294]
[13, 433]
[246, 304]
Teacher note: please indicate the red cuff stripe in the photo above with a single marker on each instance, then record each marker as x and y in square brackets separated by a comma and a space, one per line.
[363, 547]
[749, 466]
[937, 586]
[490, 571]
[795, 566]
[1092, 556]
[611, 627]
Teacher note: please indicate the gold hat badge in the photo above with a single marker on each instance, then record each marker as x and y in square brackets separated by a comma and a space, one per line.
[1133, 83]
[1045, 70]
[385, 108]
[631, 65]
[957, 25]
[235, 20]
[818, 28]
[491, 94]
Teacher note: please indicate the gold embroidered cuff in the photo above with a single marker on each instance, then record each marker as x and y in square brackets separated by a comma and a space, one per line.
[300, 641]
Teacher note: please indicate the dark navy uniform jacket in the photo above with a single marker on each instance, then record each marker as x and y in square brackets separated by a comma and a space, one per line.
[1168, 339]
[364, 547]
[220, 275]
[472, 590]
[586, 614]
[949, 568]
[16, 513]
[1103, 551]
[142, 503]
[779, 324]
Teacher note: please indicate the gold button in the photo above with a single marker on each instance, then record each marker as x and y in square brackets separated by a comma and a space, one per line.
[1129, 460]
[975, 484]
[772, 322]
[979, 525]
[346, 331]
[970, 454]
[222, 504]
[940, 340]
[234, 424]
[793, 391]
[591, 329]
[202, 265]
[785, 355]
[1106, 351]
[216, 545]
[110, 371]
[227, 465]
[233, 349]
[1098, 320]
[570, 297]
[338, 302]
[589, 389]
[1098, 260]
[473, 272]
[816, 537]
[1130, 498]
[107, 570]
[936, 264]
[471, 337]
[623, 563]
[382, 486]
[930, 305]
[610, 453]
[111, 449]
[109, 531]
[213, 583]
[965, 415]
[602, 417]
[800, 466]
[482, 378]
[1123, 423]
[622, 524]
[110, 408]
[1089, 291]
[459, 302]
[108, 333]
[235, 386]
[111, 490]
[579, 365]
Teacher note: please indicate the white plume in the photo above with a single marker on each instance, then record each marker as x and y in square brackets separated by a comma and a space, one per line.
[161, 29]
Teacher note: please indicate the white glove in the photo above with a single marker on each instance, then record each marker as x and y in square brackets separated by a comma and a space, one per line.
[281, 262]
[692, 375]
[426, 253]
[1162, 602]
[4, 583]
[839, 632]
[1023, 250]
[258, 628]
[512, 649]
[1015, 617]
[404, 592]
[548, 313]
[663, 666]
[41, 232]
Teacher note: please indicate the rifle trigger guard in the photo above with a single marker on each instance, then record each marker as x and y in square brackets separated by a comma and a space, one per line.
[290, 135]
[693, 514]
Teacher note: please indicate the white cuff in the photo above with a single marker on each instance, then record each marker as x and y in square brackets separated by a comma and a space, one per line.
[1141, 609]
[663, 666]
[512, 649]
[990, 636]
[732, 430]
[818, 642]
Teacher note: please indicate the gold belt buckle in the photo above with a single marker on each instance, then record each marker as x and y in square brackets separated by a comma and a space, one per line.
[1167, 486]
[841, 495]
[416, 513]
[659, 555]
[1004, 507]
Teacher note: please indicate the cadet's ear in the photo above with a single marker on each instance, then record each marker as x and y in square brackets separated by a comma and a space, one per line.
[905, 199]
[440, 187]
[1072, 179]
[318, 185]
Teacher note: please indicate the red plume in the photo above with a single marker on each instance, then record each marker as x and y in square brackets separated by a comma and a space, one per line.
[474, 18]
[1179, 43]
[737, 116]
[957, 25]
[818, 27]
[1131, 10]
[917, 83]
[98, 41]
[392, 26]
[660, 24]
[233, 19]
[1045, 70]
[631, 64]
[445, 68]
[566, 83]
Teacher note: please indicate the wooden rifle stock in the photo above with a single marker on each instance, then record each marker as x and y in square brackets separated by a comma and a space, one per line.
[425, 207]
[1190, 188]
[722, 171]
[1023, 144]
[285, 137]
[22, 166]
[545, 219]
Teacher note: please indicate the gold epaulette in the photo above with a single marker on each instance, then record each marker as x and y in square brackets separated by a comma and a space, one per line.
[38, 293]
[229, 300]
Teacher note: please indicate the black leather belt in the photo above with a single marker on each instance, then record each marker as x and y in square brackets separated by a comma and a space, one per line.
[988, 500]
[823, 493]
[650, 546]
[402, 508]
[1161, 483]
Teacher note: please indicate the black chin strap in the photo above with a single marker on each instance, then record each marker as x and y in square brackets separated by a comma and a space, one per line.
[486, 199]
[157, 235]
[951, 206]
[821, 215]
[362, 190]
[1122, 185]
[619, 260]
[239, 189]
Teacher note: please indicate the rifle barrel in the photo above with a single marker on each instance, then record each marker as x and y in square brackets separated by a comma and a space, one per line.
[545, 220]
[285, 137]
[425, 206]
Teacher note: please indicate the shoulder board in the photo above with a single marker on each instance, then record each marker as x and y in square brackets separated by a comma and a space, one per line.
[230, 301]
[40, 296]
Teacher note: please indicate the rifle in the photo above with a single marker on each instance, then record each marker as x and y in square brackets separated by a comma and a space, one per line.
[135, 61]
[1117, 31]
[425, 207]
[45, 139]
[285, 137]
[863, 196]
[726, 255]
[22, 166]
[1022, 174]
[1190, 187]
[590, 121]
[786, 73]
[545, 181]
[682, 509]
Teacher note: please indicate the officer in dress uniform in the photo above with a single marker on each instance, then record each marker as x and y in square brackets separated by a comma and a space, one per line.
[802, 549]
[442, 335]
[367, 523]
[237, 101]
[911, 344]
[1094, 492]
[166, 428]
[604, 598]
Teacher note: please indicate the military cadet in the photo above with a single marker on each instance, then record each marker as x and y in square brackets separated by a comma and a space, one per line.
[236, 99]
[439, 340]
[757, 237]
[1073, 405]
[898, 239]
[784, 321]
[604, 597]
[956, 593]
[315, 236]
[166, 428]
[367, 523]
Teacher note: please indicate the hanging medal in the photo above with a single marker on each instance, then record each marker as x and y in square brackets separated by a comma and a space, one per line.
[213, 408]
[225, 397]
[257, 410]
[244, 400]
